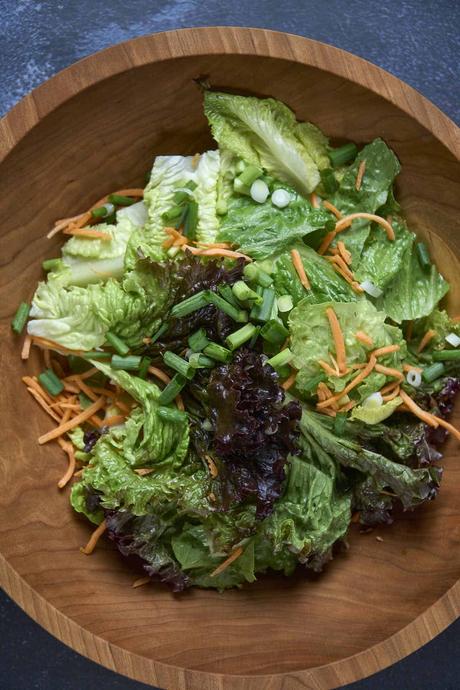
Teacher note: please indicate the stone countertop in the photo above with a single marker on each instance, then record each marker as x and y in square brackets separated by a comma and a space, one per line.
[416, 40]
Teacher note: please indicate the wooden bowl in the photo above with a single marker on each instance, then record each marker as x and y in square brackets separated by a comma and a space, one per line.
[96, 127]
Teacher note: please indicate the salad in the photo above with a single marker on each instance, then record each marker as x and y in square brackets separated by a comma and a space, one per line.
[246, 356]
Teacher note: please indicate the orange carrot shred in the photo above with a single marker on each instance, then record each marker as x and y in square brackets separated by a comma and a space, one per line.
[389, 371]
[90, 546]
[345, 222]
[69, 449]
[364, 338]
[330, 207]
[299, 267]
[212, 466]
[289, 382]
[314, 200]
[114, 420]
[344, 253]
[442, 422]
[412, 367]
[324, 246]
[141, 581]
[360, 175]
[338, 339]
[353, 383]
[25, 352]
[159, 374]
[85, 232]
[387, 350]
[71, 423]
[415, 409]
[228, 561]
[429, 335]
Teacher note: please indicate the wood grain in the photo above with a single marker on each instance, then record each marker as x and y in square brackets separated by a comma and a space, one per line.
[96, 127]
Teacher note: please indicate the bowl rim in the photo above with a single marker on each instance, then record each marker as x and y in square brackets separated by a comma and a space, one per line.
[20, 120]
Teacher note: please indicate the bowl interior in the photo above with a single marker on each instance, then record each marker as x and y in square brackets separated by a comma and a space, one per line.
[105, 138]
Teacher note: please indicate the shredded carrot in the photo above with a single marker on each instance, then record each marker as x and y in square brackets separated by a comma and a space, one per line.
[90, 546]
[324, 246]
[33, 383]
[442, 422]
[226, 253]
[329, 412]
[387, 350]
[84, 388]
[298, 265]
[392, 395]
[76, 421]
[339, 261]
[360, 175]
[45, 342]
[330, 207]
[320, 393]
[348, 406]
[455, 319]
[364, 338]
[25, 352]
[334, 364]
[84, 375]
[85, 232]
[339, 341]
[47, 358]
[355, 382]
[70, 387]
[212, 496]
[57, 368]
[415, 409]
[344, 253]
[65, 405]
[212, 466]
[314, 201]
[69, 449]
[334, 251]
[389, 371]
[44, 404]
[166, 244]
[78, 473]
[122, 406]
[179, 402]
[361, 365]
[216, 245]
[228, 561]
[345, 222]
[356, 287]
[411, 367]
[326, 393]
[344, 274]
[159, 374]
[104, 391]
[78, 221]
[141, 581]
[429, 335]
[114, 420]
[96, 421]
[286, 385]
[137, 192]
[327, 368]
[389, 387]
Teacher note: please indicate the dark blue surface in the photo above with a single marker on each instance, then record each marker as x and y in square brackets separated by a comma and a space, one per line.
[417, 40]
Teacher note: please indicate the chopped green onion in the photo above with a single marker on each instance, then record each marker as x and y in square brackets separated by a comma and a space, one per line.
[253, 340]
[329, 225]
[249, 175]
[282, 358]
[192, 185]
[130, 363]
[423, 255]
[284, 372]
[433, 372]
[191, 220]
[189, 305]
[96, 354]
[173, 389]
[117, 343]
[51, 264]
[226, 292]
[446, 355]
[240, 167]
[236, 314]
[263, 311]
[179, 221]
[169, 414]
[254, 274]
[103, 211]
[120, 200]
[199, 361]
[244, 293]
[144, 367]
[178, 364]
[198, 340]
[329, 181]
[343, 154]
[240, 188]
[340, 421]
[20, 318]
[180, 197]
[172, 213]
[217, 352]
[241, 336]
[285, 303]
[163, 328]
[51, 382]
[274, 332]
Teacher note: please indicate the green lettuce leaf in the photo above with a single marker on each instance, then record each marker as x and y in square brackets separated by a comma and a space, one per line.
[440, 322]
[262, 131]
[78, 497]
[227, 173]
[261, 230]
[381, 260]
[374, 414]
[414, 292]
[326, 284]
[311, 341]
[79, 317]
[410, 486]
[382, 166]
[315, 143]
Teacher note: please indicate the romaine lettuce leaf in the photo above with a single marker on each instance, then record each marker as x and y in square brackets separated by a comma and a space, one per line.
[414, 291]
[382, 166]
[315, 143]
[381, 260]
[311, 341]
[326, 284]
[79, 317]
[374, 414]
[262, 131]
[261, 230]
[440, 322]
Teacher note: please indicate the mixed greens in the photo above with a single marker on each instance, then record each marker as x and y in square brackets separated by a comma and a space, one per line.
[267, 368]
